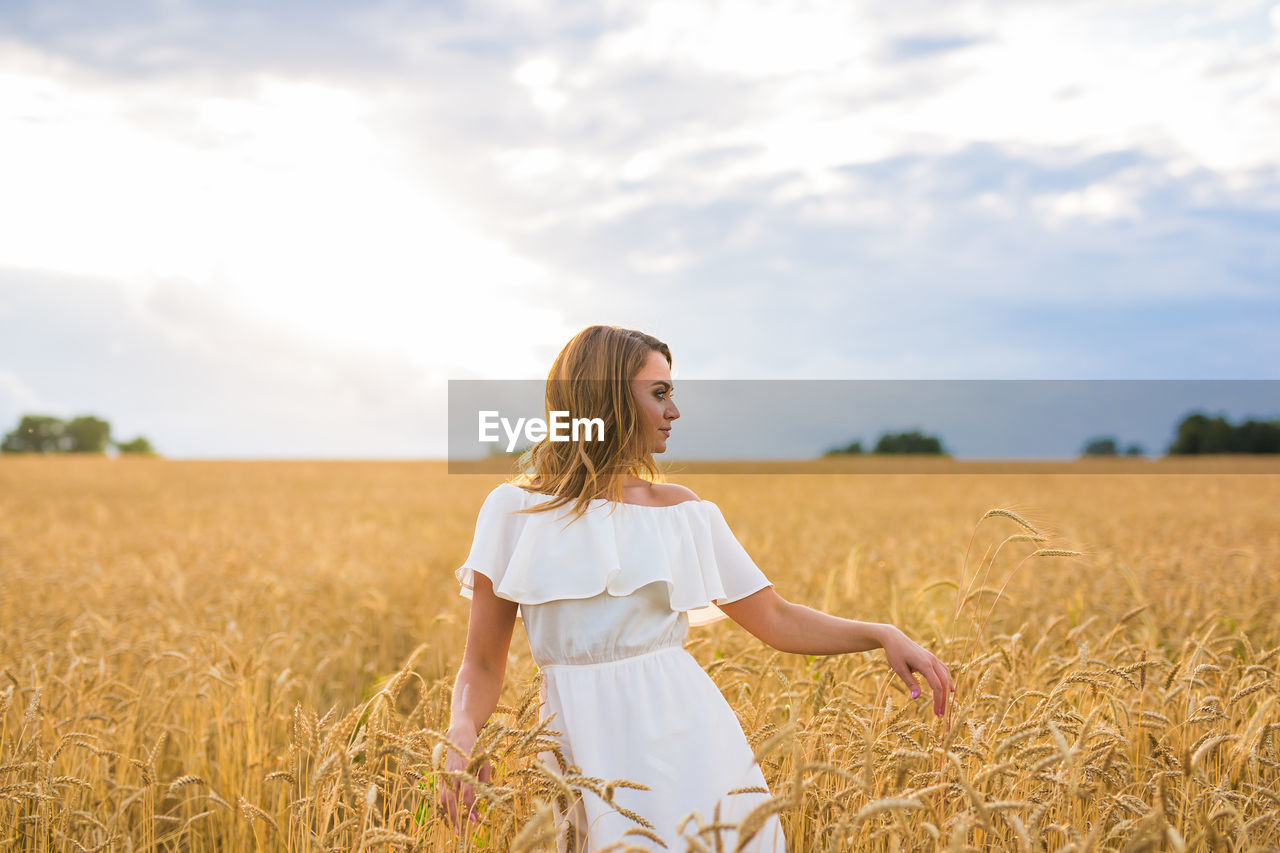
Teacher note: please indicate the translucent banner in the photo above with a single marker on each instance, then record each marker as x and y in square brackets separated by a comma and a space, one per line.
[884, 426]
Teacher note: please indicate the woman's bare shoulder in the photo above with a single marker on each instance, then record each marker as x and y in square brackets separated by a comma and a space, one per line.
[674, 493]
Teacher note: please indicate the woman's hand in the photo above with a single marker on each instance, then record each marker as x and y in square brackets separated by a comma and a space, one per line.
[456, 796]
[906, 657]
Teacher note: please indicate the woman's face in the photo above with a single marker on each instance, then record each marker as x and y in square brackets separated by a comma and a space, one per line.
[652, 389]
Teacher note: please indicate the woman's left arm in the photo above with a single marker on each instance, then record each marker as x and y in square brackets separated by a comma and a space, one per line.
[794, 628]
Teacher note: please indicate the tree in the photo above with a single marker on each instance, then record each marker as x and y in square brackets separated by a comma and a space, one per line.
[1101, 446]
[88, 434]
[38, 434]
[1135, 450]
[908, 442]
[82, 434]
[1259, 436]
[1218, 436]
[1190, 435]
[139, 446]
[852, 448]
[1199, 433]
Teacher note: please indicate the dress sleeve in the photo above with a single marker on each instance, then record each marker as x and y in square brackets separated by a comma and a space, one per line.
[728, 572]
[495, 538]
[739, 574]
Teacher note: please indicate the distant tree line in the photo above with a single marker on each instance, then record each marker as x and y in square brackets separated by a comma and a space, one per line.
[81, 434]
[1197, 433]
[1108, 446]
[894, 442]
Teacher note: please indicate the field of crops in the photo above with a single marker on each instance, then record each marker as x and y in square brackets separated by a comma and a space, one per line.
[259, 655]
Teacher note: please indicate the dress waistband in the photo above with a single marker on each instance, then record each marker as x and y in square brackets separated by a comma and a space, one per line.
[624, 659]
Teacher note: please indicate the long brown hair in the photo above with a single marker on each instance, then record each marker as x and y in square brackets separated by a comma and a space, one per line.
[591, 377]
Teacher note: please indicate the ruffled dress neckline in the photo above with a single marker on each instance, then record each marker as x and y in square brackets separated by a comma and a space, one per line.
[601, 501]
[614, 547]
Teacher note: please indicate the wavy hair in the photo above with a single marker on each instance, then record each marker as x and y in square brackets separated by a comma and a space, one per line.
[591, 378]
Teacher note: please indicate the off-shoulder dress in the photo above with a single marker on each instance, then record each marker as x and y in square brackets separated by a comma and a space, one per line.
[607, 602]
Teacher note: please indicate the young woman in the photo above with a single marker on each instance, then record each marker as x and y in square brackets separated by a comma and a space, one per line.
[607, 591]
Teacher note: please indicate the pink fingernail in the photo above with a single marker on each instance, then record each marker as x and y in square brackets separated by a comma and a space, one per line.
[915, 693]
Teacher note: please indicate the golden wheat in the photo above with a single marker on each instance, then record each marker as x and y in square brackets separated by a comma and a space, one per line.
[217, 656]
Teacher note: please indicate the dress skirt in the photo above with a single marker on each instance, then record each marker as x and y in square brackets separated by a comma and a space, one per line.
[649, 714]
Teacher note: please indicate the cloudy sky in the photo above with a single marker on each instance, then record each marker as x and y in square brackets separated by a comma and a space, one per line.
[277, 230]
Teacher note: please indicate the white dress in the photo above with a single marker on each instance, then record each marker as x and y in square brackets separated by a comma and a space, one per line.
[607, 603]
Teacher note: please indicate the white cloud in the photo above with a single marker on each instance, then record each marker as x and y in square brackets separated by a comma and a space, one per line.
[279, 193]
[824, 88]
[539, 76]
[1096, 202]
[743, 38]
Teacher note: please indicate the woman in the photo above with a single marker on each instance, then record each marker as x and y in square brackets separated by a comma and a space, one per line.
[607, 592]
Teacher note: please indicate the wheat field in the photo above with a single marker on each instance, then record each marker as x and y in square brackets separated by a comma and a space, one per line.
[259, 656]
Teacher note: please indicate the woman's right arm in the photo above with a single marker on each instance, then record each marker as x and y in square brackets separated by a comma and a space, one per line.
[477, 688]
